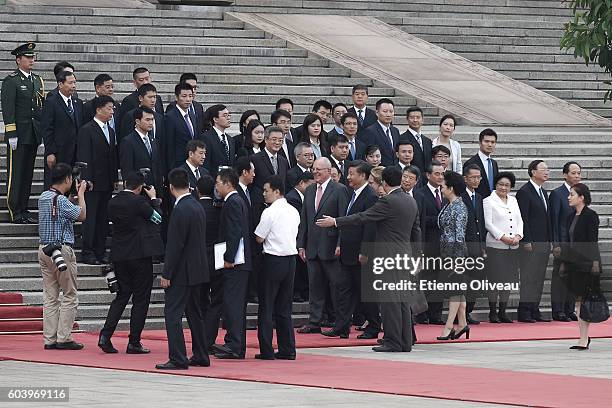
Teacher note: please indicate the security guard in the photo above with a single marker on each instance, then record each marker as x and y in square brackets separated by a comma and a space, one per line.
[22, 99]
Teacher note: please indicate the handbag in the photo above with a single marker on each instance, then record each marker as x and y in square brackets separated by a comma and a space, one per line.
[594, 307]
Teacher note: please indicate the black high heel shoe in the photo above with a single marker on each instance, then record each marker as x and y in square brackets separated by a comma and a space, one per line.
[465, 330]
[450, 336]
[582, 347]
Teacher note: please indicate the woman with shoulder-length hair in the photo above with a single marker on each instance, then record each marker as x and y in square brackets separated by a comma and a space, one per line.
[253, 139]
[247, 117]
[313, 134]
[447, 128]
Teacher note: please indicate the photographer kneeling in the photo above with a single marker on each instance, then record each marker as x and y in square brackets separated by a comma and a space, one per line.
[56, 257]
[135, 241]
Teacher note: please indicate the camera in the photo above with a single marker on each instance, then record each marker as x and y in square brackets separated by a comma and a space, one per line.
[145, 171]
[76, 174]
[111, 280]
[54, 251]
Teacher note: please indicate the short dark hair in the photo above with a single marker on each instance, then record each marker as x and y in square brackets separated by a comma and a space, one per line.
[276, 184]
[145, 89]
[566, 166]
[471, 166]
[245, 116]
[100, 79]
[505, 174]
[487, 132]
[383, 100]
[188, 76]
[213, 112]
[228, 175]
[412, 169]
[403, 142]
[392, 175]
[178, 178]
[333, 141]
[242, 164]
[277, 114]
[206, 185]
[283, 101]
[455, 181]
[348, 115]
[140, 111]
[133, 180]
[63, 75]
[59, 172]
[182, 86]
[359, 87]
[440, 148]
[432, 165]
[272, 129]
[193, 145]
[413, 109]
[139, 70]
[582, 189]
[533, 165]
[305, 176]
[61, 66]
[101, 101]
[370, 149]
[321, 103]
[337, 105]
[248, 133]
[448, 116]
[362, 167]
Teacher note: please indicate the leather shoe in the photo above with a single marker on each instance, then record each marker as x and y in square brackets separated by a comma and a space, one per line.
[279, 356]
[263, 357]
[333, 333]
[384, 349]
[367, 336]
[573, 317]
[227, 356]
[471, 320]
[52, 346]
[198, 363]
[526, 320]
[90, 260]
[328, 323]
[69, 345]
[105, 344]
[30, 220]
[541, 319]
[104, 260]
[136, 348]
[561, 317]
[170, 365]
[380, 341]
[20, 220]
[307, 329]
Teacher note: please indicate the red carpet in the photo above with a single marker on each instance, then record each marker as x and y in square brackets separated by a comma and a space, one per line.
[10, 315]
[402, 378]
[7, 297]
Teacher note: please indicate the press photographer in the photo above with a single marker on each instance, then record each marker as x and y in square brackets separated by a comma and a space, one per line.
[136, 240]
[56, 257]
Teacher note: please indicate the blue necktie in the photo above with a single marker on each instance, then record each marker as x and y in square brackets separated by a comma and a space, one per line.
[389, 138]
[352, 148]
[490, 173]
[106, 133]
[353, 198]
[189, 125]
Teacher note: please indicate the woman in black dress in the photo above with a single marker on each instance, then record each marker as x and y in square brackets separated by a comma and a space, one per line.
[580, 256]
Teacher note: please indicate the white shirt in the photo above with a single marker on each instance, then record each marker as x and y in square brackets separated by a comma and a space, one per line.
[279, 228]
[25, 74]
[363, 111]
[100, 123]
[219, 133]
[304, 169]
[180, 198]
[65, 98]
[192, 168]
[359, 190]
[567, 186]
[256, 149]
[183, 113]
[270, 154]
[433, 190]
[338, 162]
[230, 194]
[300, 194]
[484, 159]
[244, 188]
[537, 189]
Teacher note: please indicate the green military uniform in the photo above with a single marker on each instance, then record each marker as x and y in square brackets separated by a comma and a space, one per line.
[22, 100]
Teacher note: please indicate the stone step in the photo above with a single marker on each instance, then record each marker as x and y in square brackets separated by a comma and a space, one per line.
[113, 12]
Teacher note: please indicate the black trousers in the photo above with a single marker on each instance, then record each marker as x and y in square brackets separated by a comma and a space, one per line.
[397, 320]
[95, 226]
[533, 272]
[257, 261]
[20, 171]
[562, 299]
[235, 288]
[321, 275]
[348, 291]
[300, 283]
[213, 307]
[275, 304]
[434, 299]
[135, 278]
[185, 299]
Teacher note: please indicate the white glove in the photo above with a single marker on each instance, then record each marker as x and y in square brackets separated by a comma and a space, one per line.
[13, 143]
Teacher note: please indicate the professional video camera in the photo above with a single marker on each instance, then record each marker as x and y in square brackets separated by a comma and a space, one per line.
[54, 251]
[111, 280]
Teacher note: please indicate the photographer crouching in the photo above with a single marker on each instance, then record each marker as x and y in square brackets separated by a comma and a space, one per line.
[58, 265]
[136, 240]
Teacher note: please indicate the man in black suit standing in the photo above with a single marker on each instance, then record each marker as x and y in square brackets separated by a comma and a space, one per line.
[282, 119]
[103, 86]
[135, 241]
[304, 158]
[339, 154]
[268, 162]
[97, 146]
[185, 274]
[487, 140]
[560, 212]
[196, 154]
[475, 232]
[397, 232]
[221, 149]
[349, 126]
[180, 127]
[61, 118]
[382, 133]
[366, 117]
[404, 153]
[421, 144]
[140, 77]
[196, 109]
[338, 110]
[535, 245]
[317, 247]
[234, 228]
[147, 97]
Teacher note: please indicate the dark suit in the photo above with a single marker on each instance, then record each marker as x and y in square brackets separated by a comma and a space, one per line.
[128, 123]
[293, 197]
[320, 245]
[536, 230]
[254, 202]
[60, 129]
[234, 227]
[132, 102]
[375, 135]
[360, 149]
[215, 151]
[102, 171]
[475, 235]
[198, 110]
[263, 171]
[193, 181]
[89, 113]
[369, 119]
[397, 232]
[293, 174]
[300, 283]
[343, 172]
[186, 266]
[422, 156]
[176, 137]
[560, 214]
[483, 188]
[135, 241]
[290, 146]
[133, 156]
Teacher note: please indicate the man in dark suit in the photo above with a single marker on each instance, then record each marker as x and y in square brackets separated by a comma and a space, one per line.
[338, 110]
[103, 85]
[488, 166]
[304, 157]
[560, 212]
[97, 147]
[322, 109]
[282, 119]
[421, 144]
[234, 228]
[430, 201]
[196, 109]
[475, 232]
[180, 127]
[318, 247]
[357, 148]
[221, 150]
[397, 232]
[184, 276]
[366, 117]
[62, 116]
[135, 241]
[338, 156]
[404, 151]
[269, 162]
[196, 154]
[352, 256]
[535, 245]
[383, 133]
[147, 96]
[137, 150]
[140, 77]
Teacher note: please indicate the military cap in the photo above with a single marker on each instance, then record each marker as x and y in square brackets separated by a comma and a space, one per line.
[26, 49]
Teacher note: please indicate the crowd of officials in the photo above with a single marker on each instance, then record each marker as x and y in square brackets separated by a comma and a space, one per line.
[278, 213]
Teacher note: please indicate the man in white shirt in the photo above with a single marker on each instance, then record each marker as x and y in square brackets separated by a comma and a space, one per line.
[277, 231]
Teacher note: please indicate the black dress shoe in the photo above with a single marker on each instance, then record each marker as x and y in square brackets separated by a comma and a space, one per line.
[263, 357]
[573, 317]
[380, 341]
[503, 318]
[136, 348]
[228, 356]
[52, 346]
[328, 324]
[105, 344]
[219, 348]
[333, 333]
[69, 345]
[279, 356]
[541, 319]
[384, 349]
[105, 260]
[30, 220]
[198, 363]
[526, 320]
[90, 260]
[561, 317]
[471, 320]
[20, 220]
[170, 365]
[307, 329]
[367, 336]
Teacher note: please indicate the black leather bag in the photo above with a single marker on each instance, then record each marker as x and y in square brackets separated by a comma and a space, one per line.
[594, 307]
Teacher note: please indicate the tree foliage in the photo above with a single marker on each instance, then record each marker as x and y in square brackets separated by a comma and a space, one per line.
[589, 34]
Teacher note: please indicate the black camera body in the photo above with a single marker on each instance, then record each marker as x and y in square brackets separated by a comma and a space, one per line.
[54, 251]
[146, 172]
[111, 280]
[77, 174]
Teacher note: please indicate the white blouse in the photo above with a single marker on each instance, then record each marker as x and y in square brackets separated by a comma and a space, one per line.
[501, 219]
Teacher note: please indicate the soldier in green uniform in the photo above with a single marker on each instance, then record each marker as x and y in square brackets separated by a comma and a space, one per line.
[23, 95]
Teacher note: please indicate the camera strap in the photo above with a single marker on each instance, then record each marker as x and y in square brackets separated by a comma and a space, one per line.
[55, 216]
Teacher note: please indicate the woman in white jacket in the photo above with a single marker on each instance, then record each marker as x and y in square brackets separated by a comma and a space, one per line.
[447, 128]
[504, 226]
